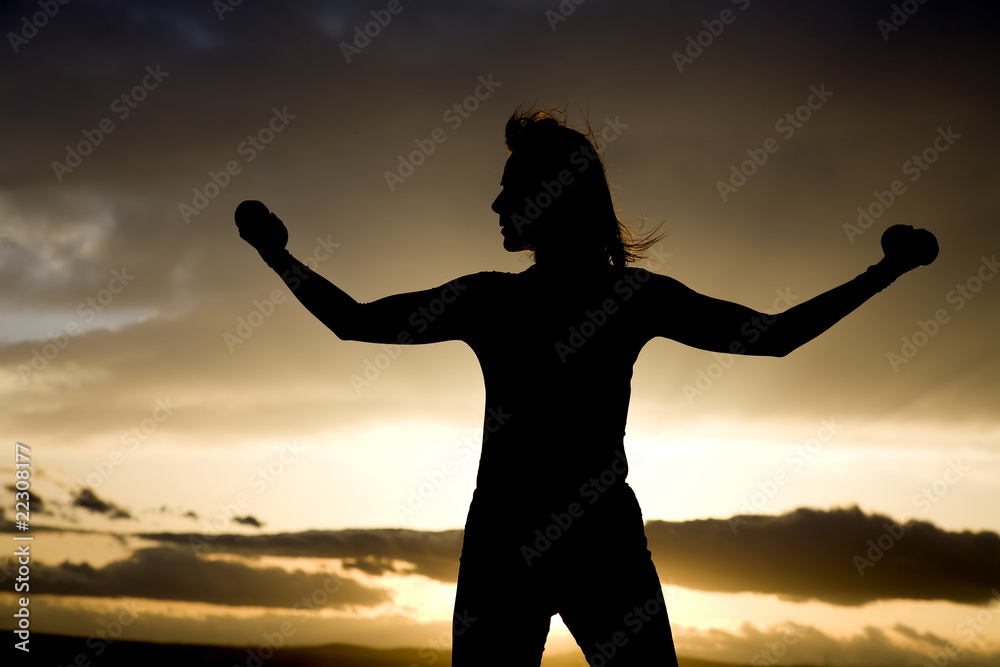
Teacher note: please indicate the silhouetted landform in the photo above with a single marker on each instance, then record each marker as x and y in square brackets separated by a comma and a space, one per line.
[60, 651]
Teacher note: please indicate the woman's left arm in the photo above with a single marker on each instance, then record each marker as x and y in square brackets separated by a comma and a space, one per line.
[722, 326]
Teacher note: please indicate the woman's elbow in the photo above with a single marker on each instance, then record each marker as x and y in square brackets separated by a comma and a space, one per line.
[771, 347]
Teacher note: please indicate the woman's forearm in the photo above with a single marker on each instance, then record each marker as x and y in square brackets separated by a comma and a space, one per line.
[803, 322]
[330, 304]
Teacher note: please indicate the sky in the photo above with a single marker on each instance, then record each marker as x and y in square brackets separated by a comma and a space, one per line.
[207, 461]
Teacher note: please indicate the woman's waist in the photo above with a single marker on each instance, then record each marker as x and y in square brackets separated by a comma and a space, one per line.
[558, 467]
[521, 493]
[496, 520]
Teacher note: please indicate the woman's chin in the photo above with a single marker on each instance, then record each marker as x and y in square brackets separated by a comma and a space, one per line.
[512, 245]
[511, 242]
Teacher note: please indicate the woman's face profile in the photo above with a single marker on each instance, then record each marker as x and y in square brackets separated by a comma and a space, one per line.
[516, 221]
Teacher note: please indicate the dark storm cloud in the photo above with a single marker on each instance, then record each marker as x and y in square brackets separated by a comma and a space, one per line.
[119, 209]
[248, 521]
[35, 501]
[89, 500]
[832, 556]
[431, 554]
[168, 573]
[841, 556]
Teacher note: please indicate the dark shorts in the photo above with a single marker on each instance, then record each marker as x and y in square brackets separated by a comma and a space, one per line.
[589, 563]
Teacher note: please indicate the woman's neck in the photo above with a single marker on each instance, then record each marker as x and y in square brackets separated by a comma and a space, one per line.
[566, 259]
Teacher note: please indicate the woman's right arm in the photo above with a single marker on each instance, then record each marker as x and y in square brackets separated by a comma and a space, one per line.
[427, 316]
[328, 303]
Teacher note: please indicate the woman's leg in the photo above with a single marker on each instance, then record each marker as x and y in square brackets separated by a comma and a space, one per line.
[610, 598]
[502, 606]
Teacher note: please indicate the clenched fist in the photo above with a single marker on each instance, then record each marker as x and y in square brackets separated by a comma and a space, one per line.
[261, 228]
[907, 248]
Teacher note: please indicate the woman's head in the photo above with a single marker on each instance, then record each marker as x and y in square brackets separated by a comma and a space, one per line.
[555, 199]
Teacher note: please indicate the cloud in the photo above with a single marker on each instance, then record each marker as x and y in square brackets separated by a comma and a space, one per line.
[169, 573]
[432, 554]
[803, 555]
[35, 501]
[794, 643]
[840, 556]
[248, 520]
[89, 500]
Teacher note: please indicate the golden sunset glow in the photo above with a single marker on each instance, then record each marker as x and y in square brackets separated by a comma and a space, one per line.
[211, 466]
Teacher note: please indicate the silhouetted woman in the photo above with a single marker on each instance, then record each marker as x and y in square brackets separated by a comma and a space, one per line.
[553, 527]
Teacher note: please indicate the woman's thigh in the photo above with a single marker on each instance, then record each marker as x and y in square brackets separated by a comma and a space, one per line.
[597, 574]
[610, 595]
[502, 607]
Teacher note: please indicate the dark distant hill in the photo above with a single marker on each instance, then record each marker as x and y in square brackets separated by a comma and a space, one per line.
[58, 651]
